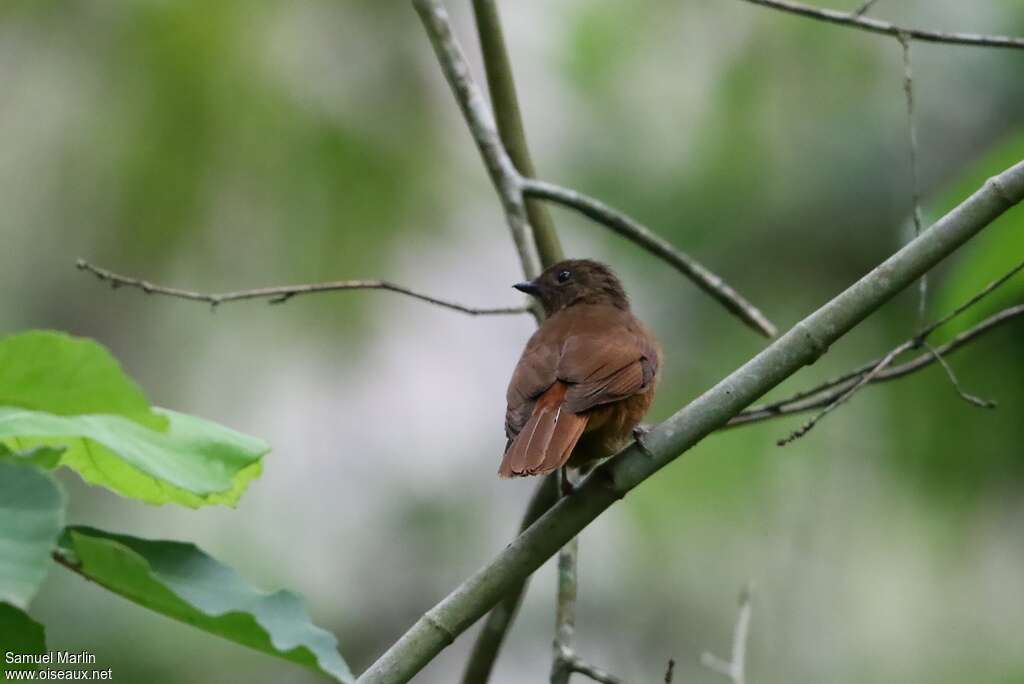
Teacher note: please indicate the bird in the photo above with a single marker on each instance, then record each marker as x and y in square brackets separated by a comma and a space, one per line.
[585, 378]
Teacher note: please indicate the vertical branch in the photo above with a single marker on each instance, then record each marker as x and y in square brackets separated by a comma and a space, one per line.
[481, 124]
[565, 613]
[488, 642]
[510, 123]
[908, 90]
[505, 104]
[735, 669]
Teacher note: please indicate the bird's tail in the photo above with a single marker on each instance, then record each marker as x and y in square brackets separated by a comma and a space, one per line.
[547, 440]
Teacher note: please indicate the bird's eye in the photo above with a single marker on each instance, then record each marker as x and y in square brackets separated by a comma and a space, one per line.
[563, 276]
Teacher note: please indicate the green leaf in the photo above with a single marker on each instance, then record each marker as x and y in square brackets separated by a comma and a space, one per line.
[193, 462]
[19, 635]
[60, 393]
[180, 581]
[42, 370]
[31, 518]
[991, 254]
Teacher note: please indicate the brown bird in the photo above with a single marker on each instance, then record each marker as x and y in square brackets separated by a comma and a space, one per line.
[586, 377]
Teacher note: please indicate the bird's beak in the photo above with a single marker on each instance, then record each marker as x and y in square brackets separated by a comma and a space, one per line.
[529, 287]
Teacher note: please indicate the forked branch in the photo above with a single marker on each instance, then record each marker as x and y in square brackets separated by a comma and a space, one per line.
[513, 187]
[642, 236]
[735, 669]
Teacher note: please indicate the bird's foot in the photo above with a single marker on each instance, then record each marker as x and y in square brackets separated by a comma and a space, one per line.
[639, 432]
[565, 483]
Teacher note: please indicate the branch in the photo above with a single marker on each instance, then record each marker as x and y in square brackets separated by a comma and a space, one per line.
[736, 667]
[863, 9]
[969, 398]
[512, 187]
[279, 295]
[565, 612]
[915, 175]
[828, 392]
[489, 641]
[857, 20]
[594, 673]
[803, 344]
[831, 391]
[510, 123]
[848, 394]
[505, 104]
[481, 124]
[653, 243]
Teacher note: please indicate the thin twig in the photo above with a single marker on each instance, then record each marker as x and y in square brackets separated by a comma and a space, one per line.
[863, 9]
[915, 176]
[984, 292]
[827, 393]
[641, 235]
[278, 295]
[830, 391]
[969, 398]
[853, 20]
[670, 671]
[736, 667]
[481, 124]
[845, 396]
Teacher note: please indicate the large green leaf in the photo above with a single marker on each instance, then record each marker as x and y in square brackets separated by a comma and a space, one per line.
[991, 254]
[180, 581]
[42, 370]
[193, 462]
[20, 635]
[31, 518]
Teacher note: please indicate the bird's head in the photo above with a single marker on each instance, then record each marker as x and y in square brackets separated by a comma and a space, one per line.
[575, 281]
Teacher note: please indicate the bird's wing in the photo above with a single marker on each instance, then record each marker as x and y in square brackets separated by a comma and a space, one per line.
[534, 374]
[570, 365]
[608, 366]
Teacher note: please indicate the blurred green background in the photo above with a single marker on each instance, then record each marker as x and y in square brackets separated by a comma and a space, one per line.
[236, 144]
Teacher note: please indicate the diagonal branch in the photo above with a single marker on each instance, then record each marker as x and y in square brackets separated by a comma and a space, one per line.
[803, 344]
[641, 235]
[279, 295]
[864, 23]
